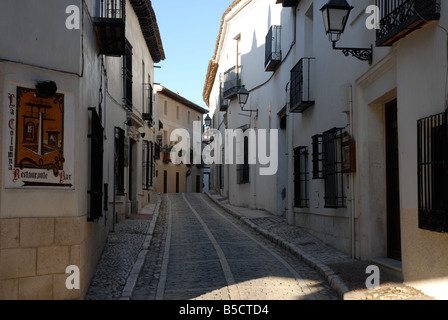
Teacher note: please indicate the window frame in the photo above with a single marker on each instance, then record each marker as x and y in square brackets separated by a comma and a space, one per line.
[127, 76]
[301, 196]
[119, 160]
[432, 172]
[333, 168]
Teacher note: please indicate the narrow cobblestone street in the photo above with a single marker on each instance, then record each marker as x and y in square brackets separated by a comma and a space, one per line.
[199, 247]
[200, 252]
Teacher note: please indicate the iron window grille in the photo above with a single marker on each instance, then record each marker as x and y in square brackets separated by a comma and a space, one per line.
[399, 18]
[273, 48]
[432, 158]
[333, 168]
[301, 177]
[318, 170]
[232, 82]
[302, 91]
[221, 176]
[148, 113]
[243, 169]
[127, 74]
[147, 164]
[119, 160]
[96, 167]
[157, 150]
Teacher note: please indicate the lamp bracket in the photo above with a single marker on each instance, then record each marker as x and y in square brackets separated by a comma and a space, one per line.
[250, 110]
[364, 54]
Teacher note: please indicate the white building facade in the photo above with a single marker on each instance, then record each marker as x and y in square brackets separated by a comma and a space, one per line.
[359, 143]
[72, 121]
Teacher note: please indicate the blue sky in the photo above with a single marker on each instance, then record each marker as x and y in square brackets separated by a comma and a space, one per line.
[189, 30]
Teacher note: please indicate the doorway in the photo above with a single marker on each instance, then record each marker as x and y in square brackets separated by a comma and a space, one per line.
[133, 176]
[393, 183]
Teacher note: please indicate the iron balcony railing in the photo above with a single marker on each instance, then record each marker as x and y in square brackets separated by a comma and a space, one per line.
[302, 88]
[399, 18]
[110, 27]
[112, 9]
[273, 49]
[232, 82]
[288, 3]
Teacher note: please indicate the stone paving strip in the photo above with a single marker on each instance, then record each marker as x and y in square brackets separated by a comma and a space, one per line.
[345, 275]
[123, 256]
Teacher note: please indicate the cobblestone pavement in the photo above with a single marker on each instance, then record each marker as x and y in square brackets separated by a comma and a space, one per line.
[120, 254]
[346, 275]
[200, 252]
[123, 267]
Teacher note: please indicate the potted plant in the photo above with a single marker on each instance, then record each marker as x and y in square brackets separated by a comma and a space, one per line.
[166, 152]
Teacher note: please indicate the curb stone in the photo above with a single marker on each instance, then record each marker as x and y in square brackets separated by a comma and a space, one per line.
[334, 280]
[131, 281]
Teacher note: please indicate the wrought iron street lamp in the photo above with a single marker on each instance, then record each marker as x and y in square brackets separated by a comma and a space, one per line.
[335, 14]
[243, 96]
[208, 121]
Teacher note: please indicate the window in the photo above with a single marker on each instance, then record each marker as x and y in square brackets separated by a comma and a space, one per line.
[432, 146]
[232, 82]
[96, 167]
[243, 169]
[128, 76]
[318, 172]
[301, 177]
[150, 94]
[273, 48]
[147, 99]
[147, 164]
[332, 165]
[165, 108]
[119, 160]
[302, 89]
[177, 112]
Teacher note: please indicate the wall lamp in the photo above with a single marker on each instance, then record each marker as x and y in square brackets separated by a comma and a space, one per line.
[46, 89]
[243, 96]
[208, 121]
[335, 14]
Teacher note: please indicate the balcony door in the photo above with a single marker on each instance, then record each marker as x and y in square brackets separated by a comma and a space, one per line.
[393, 183]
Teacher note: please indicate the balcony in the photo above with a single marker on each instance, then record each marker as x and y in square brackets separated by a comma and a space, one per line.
[232, 82]
[302, 85]
[398, 18]
[110, 27]
[223, 103]
[288, 3]
[273, 49]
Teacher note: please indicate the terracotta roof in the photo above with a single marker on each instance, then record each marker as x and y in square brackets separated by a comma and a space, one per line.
[213, 66]
[181, 100]
[150, 29]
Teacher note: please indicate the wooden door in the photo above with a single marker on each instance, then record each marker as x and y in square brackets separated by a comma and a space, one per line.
[393, 183]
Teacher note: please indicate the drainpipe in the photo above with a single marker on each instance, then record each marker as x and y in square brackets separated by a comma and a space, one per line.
[290, 173]
[352, 181]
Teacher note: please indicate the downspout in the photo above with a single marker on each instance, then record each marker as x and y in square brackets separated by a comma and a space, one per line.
[290, 173]
[255, 174]
[289, 145]
[352, 181]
